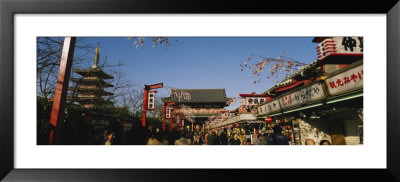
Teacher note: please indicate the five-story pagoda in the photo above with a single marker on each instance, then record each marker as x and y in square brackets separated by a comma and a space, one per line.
[89, 90]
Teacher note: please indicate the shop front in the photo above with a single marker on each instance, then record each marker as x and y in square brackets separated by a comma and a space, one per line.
[328, 109]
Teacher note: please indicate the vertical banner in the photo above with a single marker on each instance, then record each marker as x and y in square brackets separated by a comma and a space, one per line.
[151, 100]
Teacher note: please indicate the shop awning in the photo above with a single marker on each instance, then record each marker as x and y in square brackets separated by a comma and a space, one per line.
[331, 100]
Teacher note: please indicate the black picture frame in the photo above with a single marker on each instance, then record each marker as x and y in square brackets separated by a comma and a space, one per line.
[9, 8]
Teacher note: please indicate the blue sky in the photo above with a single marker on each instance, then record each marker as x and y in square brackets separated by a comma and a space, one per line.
[201, 62]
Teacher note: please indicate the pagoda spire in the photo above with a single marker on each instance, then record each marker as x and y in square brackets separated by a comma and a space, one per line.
[96, 56]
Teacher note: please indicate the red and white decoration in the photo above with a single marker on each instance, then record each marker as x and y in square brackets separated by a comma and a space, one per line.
[347, 81]
[268, 119]
[340, 46]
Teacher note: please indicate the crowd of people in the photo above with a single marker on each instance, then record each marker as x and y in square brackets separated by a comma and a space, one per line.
[199, 137]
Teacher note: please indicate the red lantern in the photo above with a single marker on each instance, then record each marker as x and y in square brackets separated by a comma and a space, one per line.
[268, 119]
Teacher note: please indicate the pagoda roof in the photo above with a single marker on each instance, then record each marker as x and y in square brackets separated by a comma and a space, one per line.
[91, 90]
[197, 96]
[92, 80]
[93, 71]
[97, 99]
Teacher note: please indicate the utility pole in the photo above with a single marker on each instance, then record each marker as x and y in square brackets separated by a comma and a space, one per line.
[60, 94]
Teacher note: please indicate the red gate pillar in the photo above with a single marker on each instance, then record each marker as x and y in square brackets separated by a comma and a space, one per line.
[176, 124]
[164, 113]
[146, 89]
[146, 95]
[60, 94]
[170, 123]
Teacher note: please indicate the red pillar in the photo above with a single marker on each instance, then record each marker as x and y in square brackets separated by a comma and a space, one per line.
[60, 94]
[164, 113]
[170, 123]
[145, 97]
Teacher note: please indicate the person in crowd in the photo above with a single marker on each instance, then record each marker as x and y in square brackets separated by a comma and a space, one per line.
[324, 142]
[310, 142]
[139, 135]
[258, 139]
[196, 139]
[277, 138]
[223, 138]
[217, 138]
[243, 138]
[110, 137]
[206, 138]
[235, 140]
[230, 138]
[153, 141]
[263, 139]
[212, 138]
[248, 141]
[185, 139]
[157, 139]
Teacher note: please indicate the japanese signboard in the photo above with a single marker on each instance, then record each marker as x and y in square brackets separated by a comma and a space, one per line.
[168, 112]
[340, 45]
[151, 100]
[309, 94]
[268, 108]
[347, 81]
[251, 101]
[228, 115]
[233, 120]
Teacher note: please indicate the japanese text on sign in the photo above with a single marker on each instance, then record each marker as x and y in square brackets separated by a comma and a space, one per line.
[168, 112]
[254, 100]
[305, 95]
[340, 45]
[347, 81]
[269, 108]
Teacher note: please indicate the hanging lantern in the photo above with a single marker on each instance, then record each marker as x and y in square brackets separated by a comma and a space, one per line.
[268, 119]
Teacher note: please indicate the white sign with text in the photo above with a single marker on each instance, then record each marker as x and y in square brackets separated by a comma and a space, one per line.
[270, 107]
[340, 45]
[311, 93]
[347, 81]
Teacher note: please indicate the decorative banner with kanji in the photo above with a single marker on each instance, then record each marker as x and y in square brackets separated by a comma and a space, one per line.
[347, 81]
[168, 112]
[151, 100]
[303, 96]
[253, 101]
[340, 45]
[270, 107]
